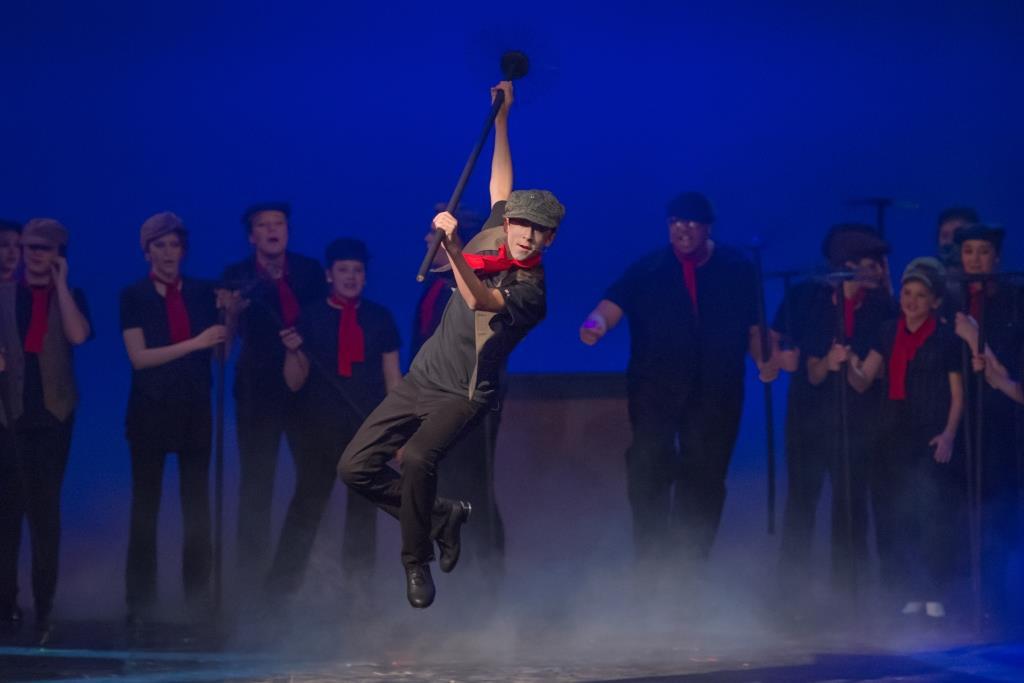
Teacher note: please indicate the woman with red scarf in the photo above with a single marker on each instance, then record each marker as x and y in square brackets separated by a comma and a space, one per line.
[918, 355]
[341, 360]
[169, 324]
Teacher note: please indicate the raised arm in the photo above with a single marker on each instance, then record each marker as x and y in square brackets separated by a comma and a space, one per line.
[76, 327]
[501, 160]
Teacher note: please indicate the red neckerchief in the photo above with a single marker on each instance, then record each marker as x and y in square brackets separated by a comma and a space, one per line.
[690, 263]
[177, 315]
[977, 296]
[850, 306]
[903, 351]
[489, 265]
[351, 340]
[285, 294]
[427, 304]
[40, 320]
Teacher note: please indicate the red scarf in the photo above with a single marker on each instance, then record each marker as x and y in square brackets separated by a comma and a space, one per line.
[977, 296]
[850, 306]
[427, 304]
[285, 294]
[351, 340]
[177, 314]
[903, 351]
[489, 265]
[40, 320]
[690, 263]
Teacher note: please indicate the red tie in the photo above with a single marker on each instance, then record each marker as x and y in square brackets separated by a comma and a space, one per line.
[40, 320]
[903, 351]
[689, 263]
[177, 314]
[351, 340]
[977, 295]
[427, 307]
[849, 311]
[285, 295]
[496, 264]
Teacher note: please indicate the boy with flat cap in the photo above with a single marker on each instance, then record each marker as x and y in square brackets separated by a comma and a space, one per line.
[264, 295]
[51, 318]
[916, 359]
[500, 280]
[169, 324]
[692, 312]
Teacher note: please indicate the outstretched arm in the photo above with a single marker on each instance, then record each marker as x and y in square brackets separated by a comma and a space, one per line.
[606, 316]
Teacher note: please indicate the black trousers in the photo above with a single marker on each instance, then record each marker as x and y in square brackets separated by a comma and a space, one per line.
[467, 473]
[424, 422]
[917, 513]
[194, 488]
[814, 452]
[260, 425]
[317, 449]
[705, 424]
[30, 485]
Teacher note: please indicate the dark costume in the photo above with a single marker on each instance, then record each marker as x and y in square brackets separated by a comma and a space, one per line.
[265, 407]
[331, 406]
[41, 399]
[169, 412]
[685, 381]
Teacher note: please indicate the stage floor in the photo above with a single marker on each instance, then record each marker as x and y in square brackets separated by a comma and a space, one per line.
[102, 652]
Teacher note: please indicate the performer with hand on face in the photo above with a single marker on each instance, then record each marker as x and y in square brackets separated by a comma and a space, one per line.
[170, 327]
[501, 297]
[51, 318]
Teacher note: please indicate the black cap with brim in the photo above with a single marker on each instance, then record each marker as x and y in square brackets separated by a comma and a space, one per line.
[852, 242]
[979, 231]
[691, 206]
[283, 207]
[346, 249]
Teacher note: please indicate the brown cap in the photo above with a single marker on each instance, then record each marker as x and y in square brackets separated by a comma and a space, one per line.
[158, 225]
[46, 230]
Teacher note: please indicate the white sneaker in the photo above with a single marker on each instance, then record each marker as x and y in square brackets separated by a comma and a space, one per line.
[935, 610]
[913, 607]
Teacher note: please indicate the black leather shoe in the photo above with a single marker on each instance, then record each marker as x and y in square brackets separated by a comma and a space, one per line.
[449, 541]
[419, 585]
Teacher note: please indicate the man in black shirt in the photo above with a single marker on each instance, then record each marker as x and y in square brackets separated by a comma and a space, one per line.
[692, 313]
[264, 295]
[51, 319]
[342, 359]
[451, 381]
